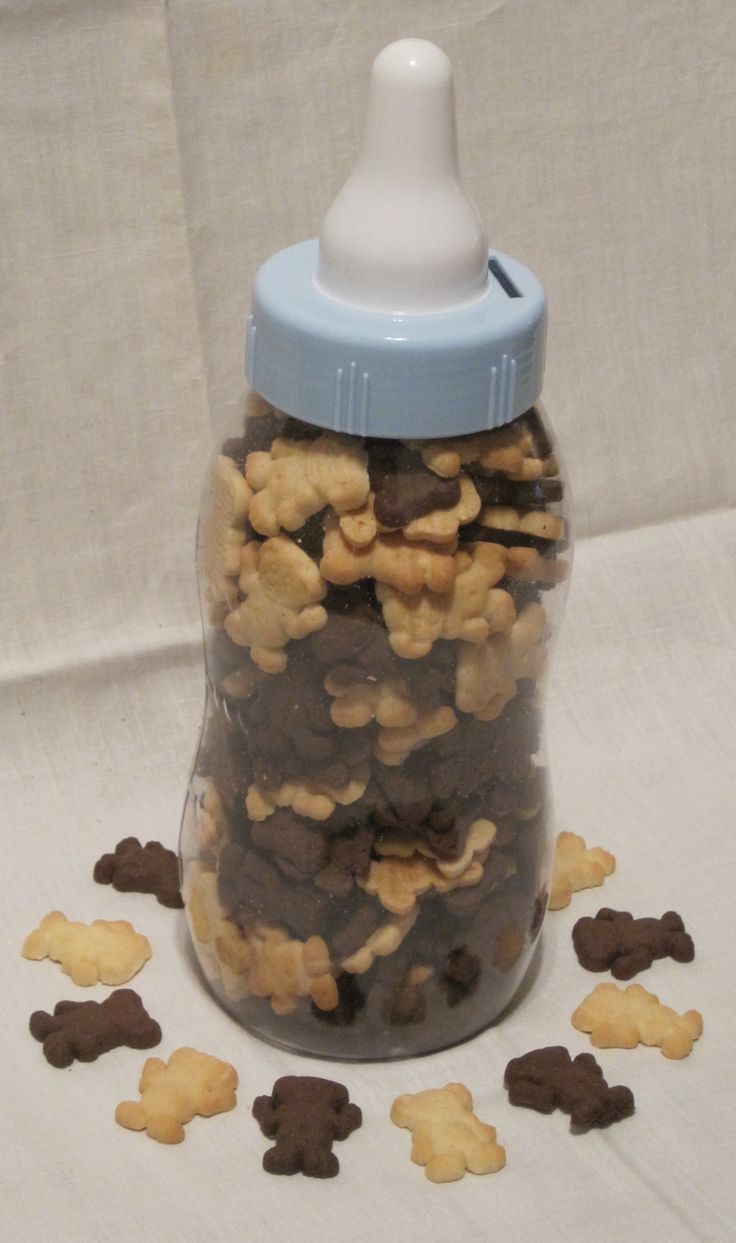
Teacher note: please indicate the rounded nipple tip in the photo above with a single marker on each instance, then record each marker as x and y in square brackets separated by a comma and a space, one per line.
[415, 58]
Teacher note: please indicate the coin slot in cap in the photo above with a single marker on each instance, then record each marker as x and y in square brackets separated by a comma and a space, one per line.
[504, 280]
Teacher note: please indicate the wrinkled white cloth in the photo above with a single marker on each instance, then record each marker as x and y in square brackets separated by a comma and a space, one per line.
[154, 154]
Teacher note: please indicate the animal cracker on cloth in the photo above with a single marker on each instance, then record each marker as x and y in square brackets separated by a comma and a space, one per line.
[622, 1018]
[133, 868]
[305, 1115]
[548, 1079]
[615, 941]
[173, 1092]
[85, 1029]
[448, 1138]
[577, 867]
[104, 952]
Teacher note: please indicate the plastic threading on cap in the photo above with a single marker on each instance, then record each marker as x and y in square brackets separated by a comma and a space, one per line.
[397, 376]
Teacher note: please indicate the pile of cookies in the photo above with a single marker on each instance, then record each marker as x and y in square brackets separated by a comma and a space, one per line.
[305, 1114]
[364, 849]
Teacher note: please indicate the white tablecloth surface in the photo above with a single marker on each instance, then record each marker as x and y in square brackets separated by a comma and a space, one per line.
[155, 153]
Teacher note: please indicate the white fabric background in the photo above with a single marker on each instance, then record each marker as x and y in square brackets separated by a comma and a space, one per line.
[153, 155]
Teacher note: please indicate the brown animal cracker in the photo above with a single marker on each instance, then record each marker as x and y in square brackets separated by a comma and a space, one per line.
[133, 868]
[404, 487]
[577, 867]
[85, 1029]
[615, 941]
[305, 1115]
[173, 1092]
[104, 952]
[548, 1079]
[448, 1138]
[622, 1018]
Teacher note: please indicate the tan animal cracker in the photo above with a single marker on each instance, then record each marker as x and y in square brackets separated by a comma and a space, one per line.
[223, 535]
[392, 745]
[577, 867]
[472, 610]
[487, 673]
[385, 940]
[537, 522]
[260, 960]
[479, 838]
[359, 700]
[399, 882]
[509, 449]
[173, 1092]
[297, 478]
[282, 588]
[389, 559]
[313, 799]
[211, 819]
[103, 952]
[447, 1137]
[622, 1018]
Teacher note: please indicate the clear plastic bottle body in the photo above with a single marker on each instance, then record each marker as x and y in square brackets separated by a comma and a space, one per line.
[366, 843]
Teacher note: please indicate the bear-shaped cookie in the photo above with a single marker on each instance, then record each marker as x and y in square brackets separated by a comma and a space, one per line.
[448, 1138]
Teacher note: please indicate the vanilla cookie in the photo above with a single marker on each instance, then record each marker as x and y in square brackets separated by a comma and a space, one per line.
[223, 535]
[577, 867]
[314, 799]
[397, 882]
[622, 1018]
[385, 940]
[103, 952]
[471, 610]
[388, 559]
[282, 588]
[487, 673]
[173, 1092]
[296, 479]
[447, 1137]
[478, 839]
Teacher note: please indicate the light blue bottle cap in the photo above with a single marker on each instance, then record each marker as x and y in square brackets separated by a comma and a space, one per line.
[398, 322]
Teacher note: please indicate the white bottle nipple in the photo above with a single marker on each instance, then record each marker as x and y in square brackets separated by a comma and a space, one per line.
[402, 236]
